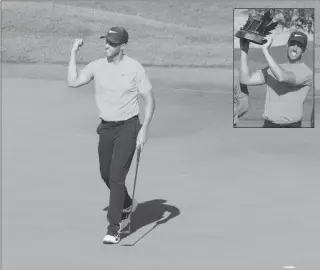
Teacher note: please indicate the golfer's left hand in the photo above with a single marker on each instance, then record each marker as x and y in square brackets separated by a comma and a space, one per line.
[142, 138]
[244, 45]
[267, 45]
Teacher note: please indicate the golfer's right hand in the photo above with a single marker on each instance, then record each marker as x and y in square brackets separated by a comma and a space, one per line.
[267, 44]
[77, 44]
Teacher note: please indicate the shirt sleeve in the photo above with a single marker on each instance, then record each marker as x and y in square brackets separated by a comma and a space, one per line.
[142, 81]
[88, 70]
[303, 78]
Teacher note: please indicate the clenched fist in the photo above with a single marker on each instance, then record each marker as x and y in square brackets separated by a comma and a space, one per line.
[244, 45]
[268, 42]
[77, 44]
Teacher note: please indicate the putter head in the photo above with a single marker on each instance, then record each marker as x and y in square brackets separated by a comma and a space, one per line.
[127, 229]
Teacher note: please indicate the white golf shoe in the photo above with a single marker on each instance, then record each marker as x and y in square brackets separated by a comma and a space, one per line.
[111, 238]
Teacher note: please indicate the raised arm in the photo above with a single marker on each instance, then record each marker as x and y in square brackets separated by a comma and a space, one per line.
[280, 74]
[246, 77]
[85, 75]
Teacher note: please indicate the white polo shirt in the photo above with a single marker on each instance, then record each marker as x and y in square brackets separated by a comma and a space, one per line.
[117, 87]
[284, 101]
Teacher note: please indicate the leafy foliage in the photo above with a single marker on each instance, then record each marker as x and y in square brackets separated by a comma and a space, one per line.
[299, 18]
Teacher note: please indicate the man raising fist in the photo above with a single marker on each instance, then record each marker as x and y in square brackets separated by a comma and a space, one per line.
[119, 80]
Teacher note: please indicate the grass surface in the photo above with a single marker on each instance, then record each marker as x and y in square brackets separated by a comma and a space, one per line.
[162, 32]
[47, 36]
[265, 212]
[208, 80]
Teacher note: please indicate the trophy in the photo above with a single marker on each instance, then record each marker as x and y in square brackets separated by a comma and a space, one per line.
[257, 27]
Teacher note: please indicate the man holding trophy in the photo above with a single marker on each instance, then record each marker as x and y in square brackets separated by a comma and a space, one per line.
[287, 84]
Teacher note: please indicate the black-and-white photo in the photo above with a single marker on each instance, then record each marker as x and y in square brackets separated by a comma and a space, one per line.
[132, 135]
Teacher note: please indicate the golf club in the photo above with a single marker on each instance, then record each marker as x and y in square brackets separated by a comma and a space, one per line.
[128, 229]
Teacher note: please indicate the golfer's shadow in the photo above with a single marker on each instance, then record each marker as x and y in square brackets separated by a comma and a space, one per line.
[154, 211]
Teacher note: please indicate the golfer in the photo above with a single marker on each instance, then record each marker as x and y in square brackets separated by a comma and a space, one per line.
[118, 81]
[240, 98]
[287, 84]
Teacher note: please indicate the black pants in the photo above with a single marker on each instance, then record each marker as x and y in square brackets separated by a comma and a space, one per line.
[117, 144]
[269, 124]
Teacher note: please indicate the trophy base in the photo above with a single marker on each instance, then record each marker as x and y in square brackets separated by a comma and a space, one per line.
[252, 37]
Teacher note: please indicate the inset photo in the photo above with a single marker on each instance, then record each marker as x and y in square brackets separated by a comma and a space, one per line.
[273, 63]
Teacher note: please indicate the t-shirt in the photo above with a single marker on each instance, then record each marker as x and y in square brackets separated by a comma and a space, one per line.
[117, 87]
[284, 101]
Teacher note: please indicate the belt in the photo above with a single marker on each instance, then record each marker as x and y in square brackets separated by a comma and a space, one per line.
[118, 121]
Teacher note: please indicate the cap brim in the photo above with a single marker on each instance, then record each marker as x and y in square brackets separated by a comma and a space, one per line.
[298, 40]
[111, 40]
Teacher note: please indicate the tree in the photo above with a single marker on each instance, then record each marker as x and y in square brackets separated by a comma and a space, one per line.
[299, 18]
